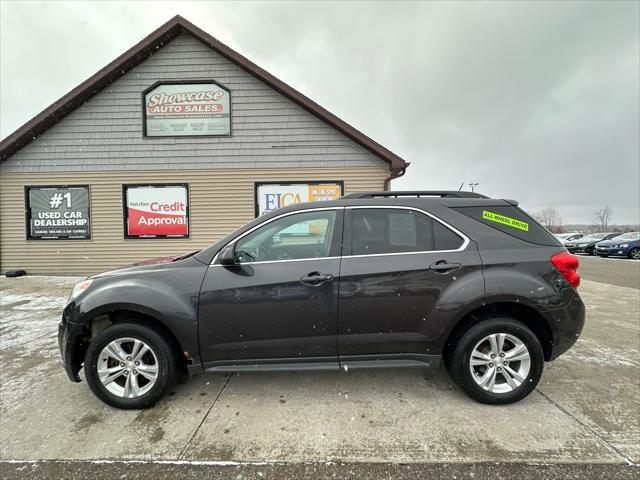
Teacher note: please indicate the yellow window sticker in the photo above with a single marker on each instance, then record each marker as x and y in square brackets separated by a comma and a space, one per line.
[504, 220]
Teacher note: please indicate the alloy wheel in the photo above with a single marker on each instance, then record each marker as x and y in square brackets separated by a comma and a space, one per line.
[128, 367]
[500, 363]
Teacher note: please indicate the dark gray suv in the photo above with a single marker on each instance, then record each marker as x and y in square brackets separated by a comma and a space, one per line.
[380, 279]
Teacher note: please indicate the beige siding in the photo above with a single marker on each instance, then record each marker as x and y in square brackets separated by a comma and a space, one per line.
[220, 201]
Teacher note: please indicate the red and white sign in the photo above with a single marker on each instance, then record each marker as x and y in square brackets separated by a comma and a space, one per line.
[157, 211]
[174, 110]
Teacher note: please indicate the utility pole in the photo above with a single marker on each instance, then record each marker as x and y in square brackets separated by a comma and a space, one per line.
[473, 186]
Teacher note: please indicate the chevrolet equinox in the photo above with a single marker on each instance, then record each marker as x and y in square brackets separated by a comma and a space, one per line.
[378, 279]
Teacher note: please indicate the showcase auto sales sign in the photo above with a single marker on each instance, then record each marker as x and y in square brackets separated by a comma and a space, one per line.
[157, 211]
[187, 109]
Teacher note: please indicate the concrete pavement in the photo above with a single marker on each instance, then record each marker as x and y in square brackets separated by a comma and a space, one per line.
[86, 470]
[584, 410]
[615, 271]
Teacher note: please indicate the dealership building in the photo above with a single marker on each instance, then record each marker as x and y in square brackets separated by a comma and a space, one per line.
[168, 148]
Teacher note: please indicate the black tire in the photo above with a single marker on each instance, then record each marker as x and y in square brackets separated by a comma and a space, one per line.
[166, 361]
[15, 273]
[458, 359]
[634, 251]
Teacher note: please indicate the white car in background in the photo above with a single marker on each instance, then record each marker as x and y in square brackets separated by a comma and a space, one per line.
[568, 237]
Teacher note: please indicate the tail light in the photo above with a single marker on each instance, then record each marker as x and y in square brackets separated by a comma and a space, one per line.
[567, 265]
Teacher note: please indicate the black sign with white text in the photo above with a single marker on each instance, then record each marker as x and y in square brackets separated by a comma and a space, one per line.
[58, 213]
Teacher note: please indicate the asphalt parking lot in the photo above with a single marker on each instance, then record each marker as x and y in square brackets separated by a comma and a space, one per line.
[615, 271]
[582, 420]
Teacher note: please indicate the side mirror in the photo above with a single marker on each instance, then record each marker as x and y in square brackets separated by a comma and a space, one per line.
[227, 255]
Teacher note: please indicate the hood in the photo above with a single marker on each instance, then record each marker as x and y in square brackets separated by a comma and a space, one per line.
[608, 243]
[588, 242]
[145, 265]
[613, 241]
[158, 261]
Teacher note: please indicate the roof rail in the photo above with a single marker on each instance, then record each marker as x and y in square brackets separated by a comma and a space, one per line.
[421, 193]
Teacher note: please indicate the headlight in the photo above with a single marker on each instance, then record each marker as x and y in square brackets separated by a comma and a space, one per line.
[623, 245]
[79, 288]
[582, 245]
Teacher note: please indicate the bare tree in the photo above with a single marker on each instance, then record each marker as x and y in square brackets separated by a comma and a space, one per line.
[603, 216]
[550, 218]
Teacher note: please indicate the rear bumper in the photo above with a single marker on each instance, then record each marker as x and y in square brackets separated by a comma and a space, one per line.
[69, 339]
[569, 324]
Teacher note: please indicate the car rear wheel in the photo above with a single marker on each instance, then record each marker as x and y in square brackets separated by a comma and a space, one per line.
[634, 254]
[129, 366]
[497, 361]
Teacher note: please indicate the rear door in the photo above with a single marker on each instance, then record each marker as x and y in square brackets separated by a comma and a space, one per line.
[398, 261]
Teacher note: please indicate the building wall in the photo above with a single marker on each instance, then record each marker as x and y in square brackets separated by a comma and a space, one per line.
[220, 200]
[269, 130]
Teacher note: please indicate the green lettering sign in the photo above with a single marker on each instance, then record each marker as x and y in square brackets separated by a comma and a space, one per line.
[504, 220]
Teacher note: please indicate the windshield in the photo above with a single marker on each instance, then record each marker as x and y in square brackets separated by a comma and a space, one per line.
[629, 236]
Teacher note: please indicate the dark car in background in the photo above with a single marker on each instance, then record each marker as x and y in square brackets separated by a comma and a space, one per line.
[587, 244]
[380, 279]
[625, 245]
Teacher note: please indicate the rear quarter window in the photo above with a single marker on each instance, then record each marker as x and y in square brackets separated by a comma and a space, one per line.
[512, 221]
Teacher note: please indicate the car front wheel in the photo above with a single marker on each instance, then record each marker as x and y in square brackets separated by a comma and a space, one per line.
[129, 366]
[497, 361]
[634, 254]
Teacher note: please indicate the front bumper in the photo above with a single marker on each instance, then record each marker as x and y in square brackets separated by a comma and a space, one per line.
[576, 249]
[569, 322]
[614, 252]
[70, 337]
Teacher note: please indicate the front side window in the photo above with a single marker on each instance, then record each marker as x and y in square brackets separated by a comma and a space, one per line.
[294, 237]
[386, 230]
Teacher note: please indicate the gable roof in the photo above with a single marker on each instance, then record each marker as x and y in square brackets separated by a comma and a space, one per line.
[142, 50]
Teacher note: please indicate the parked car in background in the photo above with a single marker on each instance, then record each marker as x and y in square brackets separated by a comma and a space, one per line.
[625, 245]
[569, 237]
[379, 279]
[587, 244]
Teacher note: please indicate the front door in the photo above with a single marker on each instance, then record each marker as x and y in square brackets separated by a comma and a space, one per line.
[397, 264]
[280, 299]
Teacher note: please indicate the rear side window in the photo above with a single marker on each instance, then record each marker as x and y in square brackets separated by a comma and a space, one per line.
[445, 239]
[387, 230]
[511, 220]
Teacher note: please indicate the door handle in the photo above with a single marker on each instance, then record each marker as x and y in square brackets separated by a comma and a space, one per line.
[442, 266]
[315, 279]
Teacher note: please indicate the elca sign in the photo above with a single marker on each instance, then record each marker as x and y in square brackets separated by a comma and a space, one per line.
[271, 196]
[187, 109]
[58, 213]
[156, 211]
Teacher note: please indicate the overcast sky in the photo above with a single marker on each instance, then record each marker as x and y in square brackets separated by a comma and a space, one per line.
[537, 101]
